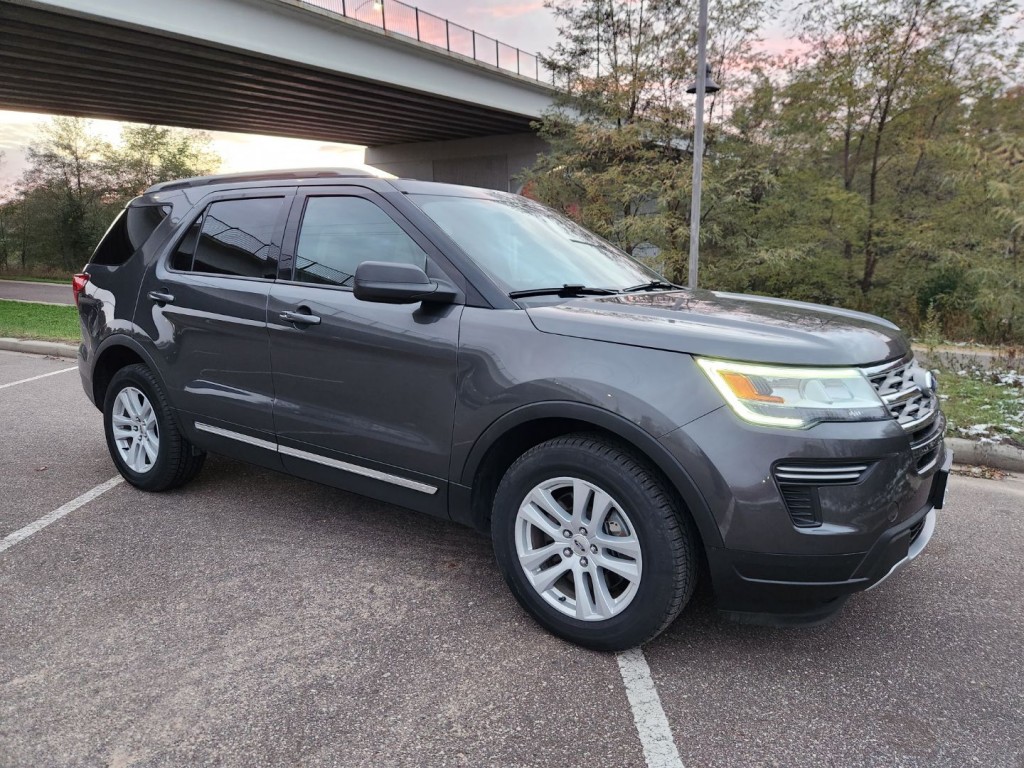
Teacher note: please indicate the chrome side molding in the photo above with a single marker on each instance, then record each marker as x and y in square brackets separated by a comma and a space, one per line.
[316, 458]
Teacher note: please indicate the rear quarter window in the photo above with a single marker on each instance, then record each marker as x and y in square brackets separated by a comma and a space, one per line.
[129, 232]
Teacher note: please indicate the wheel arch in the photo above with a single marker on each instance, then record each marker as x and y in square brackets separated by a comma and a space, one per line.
[517, 431]
[116, 352]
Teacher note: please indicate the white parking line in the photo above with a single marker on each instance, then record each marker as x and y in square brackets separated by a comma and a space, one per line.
[648, 715]
[23, 533]
[40, 376]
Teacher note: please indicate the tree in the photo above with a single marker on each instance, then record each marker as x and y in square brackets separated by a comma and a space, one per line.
[878, 169]
[148, 154]
[76, 182]
[67, 176]
[885, 82]
[620, 135]
[993, 148]
[5, 228]
[882, 199]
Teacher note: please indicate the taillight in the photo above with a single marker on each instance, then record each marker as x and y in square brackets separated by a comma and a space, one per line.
[78, 284]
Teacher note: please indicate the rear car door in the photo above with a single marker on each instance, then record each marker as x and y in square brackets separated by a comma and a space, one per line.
[205, 306]
[365, 392]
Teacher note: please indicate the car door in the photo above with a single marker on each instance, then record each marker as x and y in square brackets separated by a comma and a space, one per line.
[364, 391]
[204, 305]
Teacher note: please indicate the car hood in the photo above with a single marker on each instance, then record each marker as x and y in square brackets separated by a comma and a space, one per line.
[732, 326]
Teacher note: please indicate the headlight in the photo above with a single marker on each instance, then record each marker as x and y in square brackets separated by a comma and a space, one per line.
[782, 396]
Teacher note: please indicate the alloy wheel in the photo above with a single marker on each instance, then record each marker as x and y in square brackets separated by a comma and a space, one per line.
[136, 431]
[578, 549]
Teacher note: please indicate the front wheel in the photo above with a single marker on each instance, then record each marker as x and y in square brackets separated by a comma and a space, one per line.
[592, 544]
[142, 436]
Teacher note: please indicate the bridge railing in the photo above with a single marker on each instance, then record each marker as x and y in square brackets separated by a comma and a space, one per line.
[409, 21]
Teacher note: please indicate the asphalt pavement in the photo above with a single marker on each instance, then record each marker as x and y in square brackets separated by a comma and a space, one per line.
[47, 293]
[255, 619]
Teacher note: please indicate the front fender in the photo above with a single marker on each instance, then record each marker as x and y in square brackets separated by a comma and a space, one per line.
[606, 421]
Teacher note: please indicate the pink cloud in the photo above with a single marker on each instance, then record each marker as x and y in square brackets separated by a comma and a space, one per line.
[781, 46]
[511, 10]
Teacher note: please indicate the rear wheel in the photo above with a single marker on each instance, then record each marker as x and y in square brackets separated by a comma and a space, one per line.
[591, 542]
[142, 436]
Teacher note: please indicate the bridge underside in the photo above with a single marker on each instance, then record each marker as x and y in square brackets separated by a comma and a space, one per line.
[62, 64]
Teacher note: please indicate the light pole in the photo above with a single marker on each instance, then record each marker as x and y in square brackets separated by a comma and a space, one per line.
[378, 8]
[703, 85]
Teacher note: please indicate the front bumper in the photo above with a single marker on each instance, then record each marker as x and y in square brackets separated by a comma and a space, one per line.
[916, 548]
[784, 590]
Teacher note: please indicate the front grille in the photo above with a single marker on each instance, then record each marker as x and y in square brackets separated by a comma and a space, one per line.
[799, 482]
[902, 385]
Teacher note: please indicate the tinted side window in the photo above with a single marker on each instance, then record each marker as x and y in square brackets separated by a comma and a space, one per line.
[339, 233]
[130, 230]
[233, 237]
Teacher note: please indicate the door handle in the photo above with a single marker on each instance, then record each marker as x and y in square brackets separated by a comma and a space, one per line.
[302, 318]
[161, 298]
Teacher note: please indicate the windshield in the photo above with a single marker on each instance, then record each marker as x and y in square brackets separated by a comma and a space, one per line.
[524, 246]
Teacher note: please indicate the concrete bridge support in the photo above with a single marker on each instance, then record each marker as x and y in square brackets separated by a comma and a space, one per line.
[493, 162]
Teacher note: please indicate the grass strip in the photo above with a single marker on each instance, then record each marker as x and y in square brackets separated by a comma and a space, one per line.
[982, 406]
[39, 321]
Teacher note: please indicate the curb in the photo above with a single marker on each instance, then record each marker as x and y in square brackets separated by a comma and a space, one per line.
[56, 349]
[955, 356]
[994, 455]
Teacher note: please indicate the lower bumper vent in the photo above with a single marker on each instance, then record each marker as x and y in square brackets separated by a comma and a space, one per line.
[915, 530]
[799, 483]
[802, 503]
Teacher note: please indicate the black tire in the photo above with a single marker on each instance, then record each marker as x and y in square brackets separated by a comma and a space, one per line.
[667, 538]
[177, 460]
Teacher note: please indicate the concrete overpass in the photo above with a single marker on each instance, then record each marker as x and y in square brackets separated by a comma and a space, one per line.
[438, 108]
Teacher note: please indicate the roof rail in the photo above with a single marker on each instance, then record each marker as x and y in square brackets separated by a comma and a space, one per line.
[228, 178]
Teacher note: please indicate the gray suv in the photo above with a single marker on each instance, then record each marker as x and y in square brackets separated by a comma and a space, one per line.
[473, 355]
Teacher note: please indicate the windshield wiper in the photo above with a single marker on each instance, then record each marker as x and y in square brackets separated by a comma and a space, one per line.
[566, 291]
[654, 285]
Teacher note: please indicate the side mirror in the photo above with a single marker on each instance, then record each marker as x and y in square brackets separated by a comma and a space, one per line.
[393, 283]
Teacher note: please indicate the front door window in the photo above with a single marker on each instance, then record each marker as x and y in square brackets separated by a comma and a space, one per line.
[339, 233]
